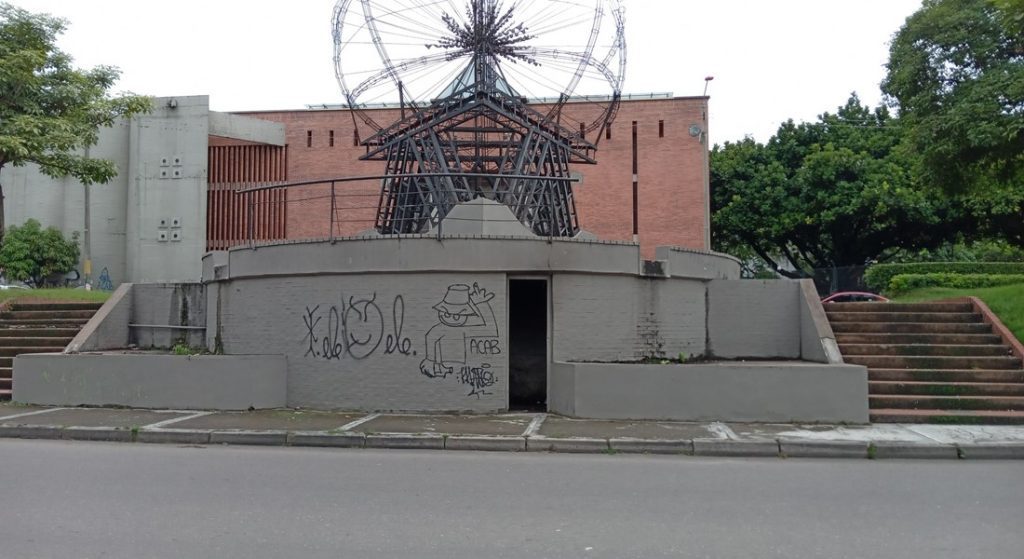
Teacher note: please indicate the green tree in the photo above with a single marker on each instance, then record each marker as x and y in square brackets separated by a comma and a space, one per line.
[836, 192]
[49, 110]
[956, 73]
[32, 254]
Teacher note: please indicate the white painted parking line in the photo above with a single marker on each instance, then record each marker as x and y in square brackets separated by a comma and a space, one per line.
[174, 420]
[535, 424]
[722, 431]
[353, 424]
[28, 413]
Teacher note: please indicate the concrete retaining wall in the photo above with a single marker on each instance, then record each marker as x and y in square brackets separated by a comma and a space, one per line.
[817, 342]
[158, 307]
[151, 381]
[626, 318]
[699, 264]
[783, 392]
[108, 328]
[758, 319]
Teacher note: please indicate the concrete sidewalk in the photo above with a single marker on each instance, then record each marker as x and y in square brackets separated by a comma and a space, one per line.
[512, 432]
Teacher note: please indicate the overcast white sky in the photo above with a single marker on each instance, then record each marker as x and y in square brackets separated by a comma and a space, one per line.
[771, 59]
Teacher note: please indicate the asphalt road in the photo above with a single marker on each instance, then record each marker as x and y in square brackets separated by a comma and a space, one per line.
[90, 500]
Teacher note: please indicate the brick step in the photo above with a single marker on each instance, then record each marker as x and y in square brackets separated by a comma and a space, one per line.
[942, 339]
[28, 332]
[6, 384]
[960, 317]
[5, 394]
[945, 388]
[34, 341]
[56, 306]
[947, 375]
[924, 349]
[6, 362]
[913, 401]
[47, 314]
[933, 362]
[15, 351]
[6, 372]
[966, 417]
[911, 328]
[900, 307]
[43, 323]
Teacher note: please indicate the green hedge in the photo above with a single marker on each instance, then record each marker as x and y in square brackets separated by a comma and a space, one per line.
[906, 282]
[879, 276]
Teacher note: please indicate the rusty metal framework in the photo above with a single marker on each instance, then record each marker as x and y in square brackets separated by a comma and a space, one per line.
[471, 133]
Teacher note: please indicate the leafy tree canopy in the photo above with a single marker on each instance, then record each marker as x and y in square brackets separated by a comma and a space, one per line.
[956, 73]
[49, 110]
[32, 254]
[836, 192]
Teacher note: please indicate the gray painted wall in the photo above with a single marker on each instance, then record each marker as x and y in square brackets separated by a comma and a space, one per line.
[698, 264]
[214, 382]
[610, 318]
[782, 392]
[108, 328]
[162, 304]
[754, 319]
[361, 341]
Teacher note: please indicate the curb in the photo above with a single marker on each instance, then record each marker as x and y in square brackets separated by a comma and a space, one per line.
[31, 432]
[991, 451]
[483, 443]
[652, 446]
[912, 451]
[763, 448]
[734, 448]
[261, 438]
[106, 434]
[325, 439]
[823, 449]
[173, 436]
[576, 445]
[417, 442]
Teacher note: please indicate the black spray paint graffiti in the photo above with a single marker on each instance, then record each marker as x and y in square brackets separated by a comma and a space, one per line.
[466, 332]
[356, 330]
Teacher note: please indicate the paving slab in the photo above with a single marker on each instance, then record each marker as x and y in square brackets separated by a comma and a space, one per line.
[969, 434]
[96, 417]
[493, 425]
[7, 408]
[275, 420]
[562, 427]
[865, 433]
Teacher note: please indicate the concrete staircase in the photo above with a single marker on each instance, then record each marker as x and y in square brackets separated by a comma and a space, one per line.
[39, 327]
[930, 362]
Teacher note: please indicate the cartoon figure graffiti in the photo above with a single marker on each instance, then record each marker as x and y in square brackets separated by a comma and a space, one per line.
[466, 331]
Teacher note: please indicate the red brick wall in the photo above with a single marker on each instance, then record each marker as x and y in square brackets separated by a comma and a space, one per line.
[671, 174]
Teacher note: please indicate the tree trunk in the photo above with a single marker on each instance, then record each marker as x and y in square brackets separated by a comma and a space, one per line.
[3, 223]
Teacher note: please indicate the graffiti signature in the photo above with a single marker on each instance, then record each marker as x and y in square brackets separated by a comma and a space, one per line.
[355, 330]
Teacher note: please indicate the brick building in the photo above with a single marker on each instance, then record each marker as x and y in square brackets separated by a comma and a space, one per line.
[323, 143]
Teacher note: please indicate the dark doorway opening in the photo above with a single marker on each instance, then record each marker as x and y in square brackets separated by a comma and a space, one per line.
[528, 345]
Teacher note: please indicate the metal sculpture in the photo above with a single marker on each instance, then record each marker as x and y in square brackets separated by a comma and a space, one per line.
[461, 75]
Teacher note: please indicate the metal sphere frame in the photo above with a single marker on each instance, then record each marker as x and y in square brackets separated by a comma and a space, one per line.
[470, 133]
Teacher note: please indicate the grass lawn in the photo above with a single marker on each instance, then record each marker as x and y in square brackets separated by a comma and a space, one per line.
[54, 295]
[1006, 301]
